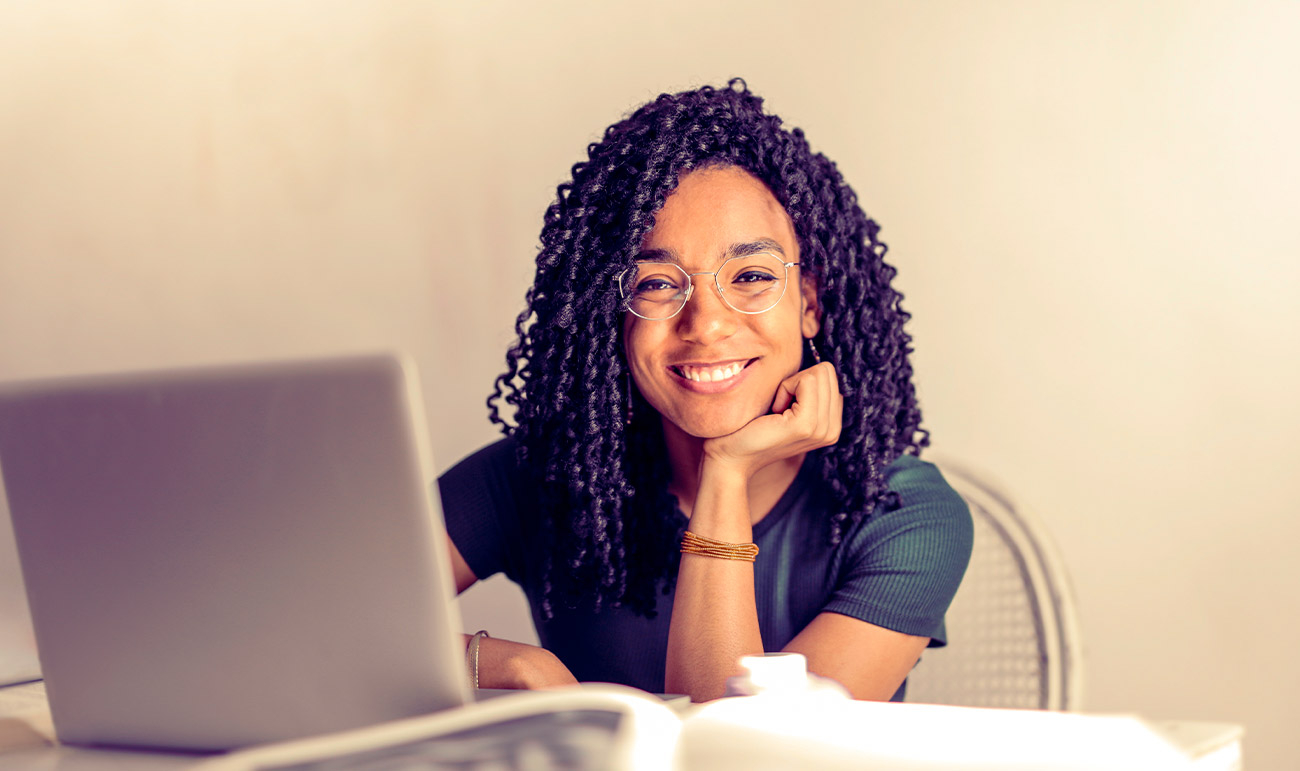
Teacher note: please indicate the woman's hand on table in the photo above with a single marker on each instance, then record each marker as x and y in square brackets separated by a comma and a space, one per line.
[508, 664]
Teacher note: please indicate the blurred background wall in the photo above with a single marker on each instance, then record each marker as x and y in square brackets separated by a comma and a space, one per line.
[1092, 207]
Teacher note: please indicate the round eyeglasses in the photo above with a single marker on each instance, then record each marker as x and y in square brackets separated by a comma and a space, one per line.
[751, 283]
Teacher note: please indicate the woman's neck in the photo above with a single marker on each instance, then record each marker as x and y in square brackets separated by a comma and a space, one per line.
[686, 453]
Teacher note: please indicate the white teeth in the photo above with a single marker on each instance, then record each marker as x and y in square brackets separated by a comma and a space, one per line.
[704, 375]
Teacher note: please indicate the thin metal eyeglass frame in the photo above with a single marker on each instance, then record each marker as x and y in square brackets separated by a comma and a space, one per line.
[690, 287]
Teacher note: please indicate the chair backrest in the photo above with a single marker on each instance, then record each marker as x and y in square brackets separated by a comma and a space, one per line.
[1013, 628]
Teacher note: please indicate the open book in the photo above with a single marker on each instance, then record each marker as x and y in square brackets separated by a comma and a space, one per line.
[585, 727]
[611, 727]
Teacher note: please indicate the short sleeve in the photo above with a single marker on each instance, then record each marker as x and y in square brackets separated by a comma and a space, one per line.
[480, 507]
[899, 569]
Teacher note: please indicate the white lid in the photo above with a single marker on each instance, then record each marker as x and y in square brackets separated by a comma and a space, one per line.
[776, 671]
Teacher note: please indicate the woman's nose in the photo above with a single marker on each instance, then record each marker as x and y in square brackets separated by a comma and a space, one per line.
[706, 317]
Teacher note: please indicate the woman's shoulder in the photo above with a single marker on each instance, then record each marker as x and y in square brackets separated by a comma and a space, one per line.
[489, 477]
[492, 460]
[900, 566]
[489, 511]
[929, 515]
[921, 488]
[929, 534]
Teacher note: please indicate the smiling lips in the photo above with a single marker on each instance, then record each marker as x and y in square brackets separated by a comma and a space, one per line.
[714, 375]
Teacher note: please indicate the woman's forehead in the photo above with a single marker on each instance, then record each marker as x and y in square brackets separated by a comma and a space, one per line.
[737, 249]
[718, 213]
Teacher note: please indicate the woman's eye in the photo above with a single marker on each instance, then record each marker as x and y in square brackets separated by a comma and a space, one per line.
[753, 276]
[652, 285]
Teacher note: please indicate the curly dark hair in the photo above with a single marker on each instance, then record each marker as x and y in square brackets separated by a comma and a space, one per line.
[611, 528]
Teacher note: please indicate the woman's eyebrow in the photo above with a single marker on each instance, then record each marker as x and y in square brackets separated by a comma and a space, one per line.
[657, 255]
[742, 249]
[754, 247]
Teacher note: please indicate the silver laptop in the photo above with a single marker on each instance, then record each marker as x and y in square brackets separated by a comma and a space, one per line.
[18, 663]
[226, 556]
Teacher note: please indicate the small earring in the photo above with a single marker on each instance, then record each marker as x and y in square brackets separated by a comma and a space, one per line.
[629, 399]
[817, 357]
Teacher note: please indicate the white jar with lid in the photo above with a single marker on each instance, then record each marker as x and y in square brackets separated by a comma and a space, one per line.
[781, 674]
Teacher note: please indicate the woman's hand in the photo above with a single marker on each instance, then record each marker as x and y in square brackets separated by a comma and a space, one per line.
[507, 664]
[807, 413]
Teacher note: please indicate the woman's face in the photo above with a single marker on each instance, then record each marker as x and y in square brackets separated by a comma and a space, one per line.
[712, 215]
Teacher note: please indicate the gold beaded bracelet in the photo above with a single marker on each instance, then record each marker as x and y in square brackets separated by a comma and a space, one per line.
[708, 547]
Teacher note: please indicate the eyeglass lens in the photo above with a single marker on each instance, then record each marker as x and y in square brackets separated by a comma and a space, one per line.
[750, 284]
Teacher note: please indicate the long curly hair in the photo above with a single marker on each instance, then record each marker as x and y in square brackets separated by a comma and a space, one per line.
[610, 526]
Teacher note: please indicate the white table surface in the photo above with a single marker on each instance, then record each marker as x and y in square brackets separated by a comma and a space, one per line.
[27, 739]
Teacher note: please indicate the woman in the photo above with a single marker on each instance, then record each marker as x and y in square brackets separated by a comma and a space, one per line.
[712, 359]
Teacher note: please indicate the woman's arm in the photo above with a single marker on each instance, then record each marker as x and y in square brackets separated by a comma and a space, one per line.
[460, 569]
[505, 663]
[869, 660]
[715, 619]
[516, 665]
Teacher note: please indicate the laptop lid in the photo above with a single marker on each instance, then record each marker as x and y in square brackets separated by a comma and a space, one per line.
[18, 661]
[225, 556]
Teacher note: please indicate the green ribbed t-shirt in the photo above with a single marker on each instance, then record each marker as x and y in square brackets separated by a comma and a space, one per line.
[897, 569]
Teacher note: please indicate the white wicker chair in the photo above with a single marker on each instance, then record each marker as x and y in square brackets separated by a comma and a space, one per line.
[1013, 630]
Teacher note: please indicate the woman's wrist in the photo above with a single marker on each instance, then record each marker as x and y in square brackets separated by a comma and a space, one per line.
[472, 656]
[721, 509]
[508, 664]
[727, 468]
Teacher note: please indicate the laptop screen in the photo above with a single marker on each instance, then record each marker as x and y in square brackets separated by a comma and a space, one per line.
[224, 556]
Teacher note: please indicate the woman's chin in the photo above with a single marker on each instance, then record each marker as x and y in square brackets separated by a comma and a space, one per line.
[710, 426]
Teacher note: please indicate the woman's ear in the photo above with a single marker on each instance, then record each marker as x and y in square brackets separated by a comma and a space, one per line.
[811, 315]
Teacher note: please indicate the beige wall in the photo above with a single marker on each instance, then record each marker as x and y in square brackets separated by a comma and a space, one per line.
[1092, 207]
